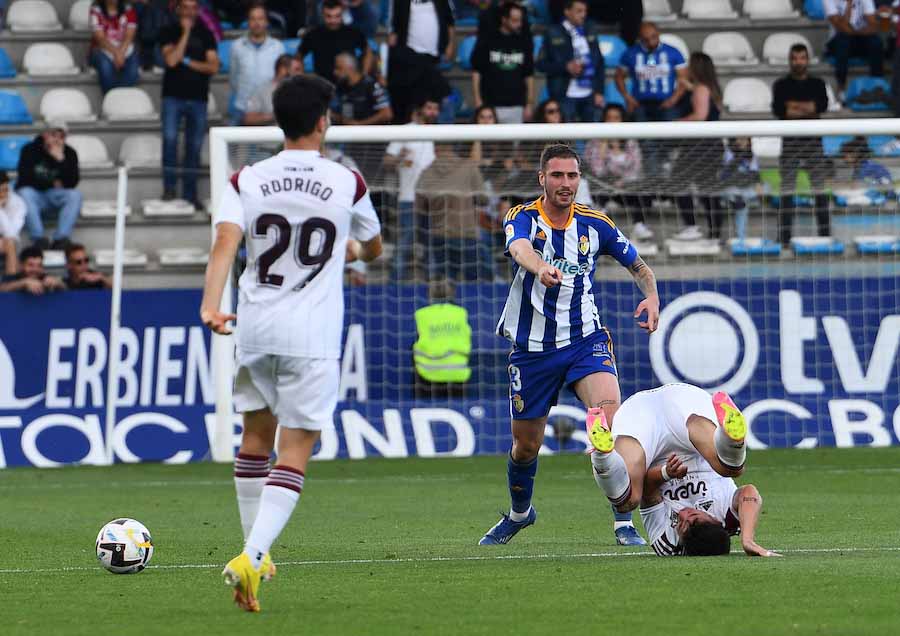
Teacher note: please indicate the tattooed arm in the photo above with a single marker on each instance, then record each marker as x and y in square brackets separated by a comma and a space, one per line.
[645, 279]
[748, 502]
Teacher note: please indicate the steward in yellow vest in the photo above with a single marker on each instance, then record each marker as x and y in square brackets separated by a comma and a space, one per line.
[441, 353]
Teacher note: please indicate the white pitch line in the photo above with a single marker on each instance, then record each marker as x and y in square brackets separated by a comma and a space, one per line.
[437, 559]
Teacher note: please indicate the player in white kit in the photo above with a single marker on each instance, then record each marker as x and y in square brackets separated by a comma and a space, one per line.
[303, 216]
[674, 450]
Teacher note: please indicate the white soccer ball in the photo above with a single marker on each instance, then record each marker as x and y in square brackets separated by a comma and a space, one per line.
[124, 546]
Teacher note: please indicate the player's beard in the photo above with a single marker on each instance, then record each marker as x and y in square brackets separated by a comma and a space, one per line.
[561, 201]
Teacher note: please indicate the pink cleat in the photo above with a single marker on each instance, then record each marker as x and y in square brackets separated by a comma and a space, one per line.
[598, 430]
[730, 418]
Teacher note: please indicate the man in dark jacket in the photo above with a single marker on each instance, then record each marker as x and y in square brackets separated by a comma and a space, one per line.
[574, 65]
[415, 53]
[47, 176]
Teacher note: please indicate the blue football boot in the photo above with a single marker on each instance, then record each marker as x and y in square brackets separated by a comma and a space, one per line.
[506, 529]
[628, 535]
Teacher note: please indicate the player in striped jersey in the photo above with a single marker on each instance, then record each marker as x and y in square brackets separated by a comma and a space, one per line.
[552, 320]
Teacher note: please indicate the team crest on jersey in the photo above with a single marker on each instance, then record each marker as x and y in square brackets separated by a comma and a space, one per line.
[518, 403]
[584, 245]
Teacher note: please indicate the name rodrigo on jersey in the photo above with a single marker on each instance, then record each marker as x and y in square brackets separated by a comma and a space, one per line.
[296, 184]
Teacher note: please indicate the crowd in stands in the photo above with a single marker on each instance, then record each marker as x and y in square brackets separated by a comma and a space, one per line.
[448, 197]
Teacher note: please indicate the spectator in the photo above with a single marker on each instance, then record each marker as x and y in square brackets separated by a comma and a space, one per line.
[80, 275]
[253, 57]
[411, 158]
[628, 14]
[189, 51]
[443, 346]
[800, 96]
[259, 106]
[619, 163]
[152, 17]
[861, 180]
[494, 159]
[32, 279]
[47, 177]
[574, 65]
[740, 180]
[503, 67]
[490, 157]
[853, 33]
[451, 196]
[332, 37]
[363, 16]
[421, 32]
[12, 218]
[698, 158]
[113, 55]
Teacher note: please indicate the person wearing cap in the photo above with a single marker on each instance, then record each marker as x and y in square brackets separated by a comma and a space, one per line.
[47, 178]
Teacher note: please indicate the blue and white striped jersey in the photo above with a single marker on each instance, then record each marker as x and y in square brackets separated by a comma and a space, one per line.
[537, 318]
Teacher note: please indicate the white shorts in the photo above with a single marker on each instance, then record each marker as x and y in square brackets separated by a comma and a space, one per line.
[657, 419]
[300, 392]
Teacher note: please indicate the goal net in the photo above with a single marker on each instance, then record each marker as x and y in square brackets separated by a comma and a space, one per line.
[775, 245]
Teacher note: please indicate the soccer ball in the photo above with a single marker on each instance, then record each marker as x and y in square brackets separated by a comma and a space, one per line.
[124, 546]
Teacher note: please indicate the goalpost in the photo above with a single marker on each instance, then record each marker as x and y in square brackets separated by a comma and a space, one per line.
[802, 329]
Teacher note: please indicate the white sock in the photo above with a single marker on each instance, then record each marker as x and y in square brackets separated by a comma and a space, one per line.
[250, 473]
[611, 475]
[730, 452]
[622, 524]
[279, 497]
[519, 516]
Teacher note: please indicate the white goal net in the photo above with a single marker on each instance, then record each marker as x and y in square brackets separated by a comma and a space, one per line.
[775, 244]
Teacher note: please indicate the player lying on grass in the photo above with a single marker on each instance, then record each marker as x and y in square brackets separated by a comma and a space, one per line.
[674, 451]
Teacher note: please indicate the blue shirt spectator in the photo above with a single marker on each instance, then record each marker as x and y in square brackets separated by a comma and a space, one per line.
[653, 72]
[253, 58]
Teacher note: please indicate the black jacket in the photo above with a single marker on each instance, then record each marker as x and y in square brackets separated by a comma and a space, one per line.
[557, 51]
[400, 21]
[37, 169]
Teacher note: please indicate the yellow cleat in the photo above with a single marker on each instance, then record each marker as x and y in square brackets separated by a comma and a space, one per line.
[267, 569]
[730, 417]
[598, 431]
[244, 578]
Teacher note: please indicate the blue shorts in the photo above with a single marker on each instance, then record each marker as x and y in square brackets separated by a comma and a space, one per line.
[536, 377]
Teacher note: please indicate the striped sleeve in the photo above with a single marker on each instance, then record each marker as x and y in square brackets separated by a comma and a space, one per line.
[663, 537]
[516, 225]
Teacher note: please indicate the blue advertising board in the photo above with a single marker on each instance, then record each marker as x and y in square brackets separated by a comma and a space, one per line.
[812, 362]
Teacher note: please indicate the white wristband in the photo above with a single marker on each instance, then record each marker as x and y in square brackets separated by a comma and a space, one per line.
[664, 473]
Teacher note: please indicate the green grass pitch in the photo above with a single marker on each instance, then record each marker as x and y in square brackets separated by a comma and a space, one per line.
[389, 546]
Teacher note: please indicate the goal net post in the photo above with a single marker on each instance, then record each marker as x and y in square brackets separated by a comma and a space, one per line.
[775, 244]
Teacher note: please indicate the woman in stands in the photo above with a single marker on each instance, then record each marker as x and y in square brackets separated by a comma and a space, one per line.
[113, 54]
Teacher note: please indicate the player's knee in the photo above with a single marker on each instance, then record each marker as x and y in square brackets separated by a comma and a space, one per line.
[525, 449]
[629, 504]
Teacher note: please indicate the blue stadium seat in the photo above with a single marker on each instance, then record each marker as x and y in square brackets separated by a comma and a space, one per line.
[538, 43]
[814, 9]
[832, 144]
[860, 85]
[291, 45]
[225, 55]
[10, 148]
[612, 47]
[13, 109]
[884, 146]
[612, 95]
[465, 52]
[541, 11]
[7, 69]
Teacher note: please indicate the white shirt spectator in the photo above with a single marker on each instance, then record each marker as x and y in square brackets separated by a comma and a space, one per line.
[420, 154]
[252, 66]
[861, 8]
[12, 216]
[424, 27]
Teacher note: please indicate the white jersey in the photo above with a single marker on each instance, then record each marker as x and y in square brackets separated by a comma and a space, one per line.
[297, 210]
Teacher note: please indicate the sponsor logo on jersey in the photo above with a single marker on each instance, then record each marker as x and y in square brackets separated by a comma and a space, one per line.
[686, 490]
[601, 349]
[584, 245]
[540, 235]
[518, 403]
[566, 267]
[510, 230]
[623, 239]
[705, 505]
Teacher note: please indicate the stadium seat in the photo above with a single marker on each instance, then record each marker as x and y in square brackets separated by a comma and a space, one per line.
[868, 93]
[754, 246]
[776, 49]
[79, 15]
[766, 147]
[32, 16]
[701, 247]
[7, 69]
[770, 9]
[816, 245]
[105, 209]
[729, 48]
[814, 9]
[130, 258]
[124, 104]
[180, 256]
[708, 10]
[877, 244]
[747, 95]
[10, 149]
[92, 153]
[49, 58]
[831, 144]
[13, 109]
[834, 104]
[141, 151]
[658, 11]
[884, 145]
[291, 45]
[225, 56]
[464, 54]
[612, 47]
[611, 92]
[67, 104]
[677, 42]
[158, 207]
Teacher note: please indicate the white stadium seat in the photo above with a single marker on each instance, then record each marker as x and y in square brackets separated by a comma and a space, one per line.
[49, 58]
[91, 151]
[658, 11]
[32, 16]
[176, 207]
[128, 104]
[769, 9]
[777, 48]
[130, 258]
[141, 151]
[180, 256]
[747, 95]
[66, 104]
[729, 48]
[708, 10]
[101, 209]
[766, 147]
[675, 41]
[79, 15]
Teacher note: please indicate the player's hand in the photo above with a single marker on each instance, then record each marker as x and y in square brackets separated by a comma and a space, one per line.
[752, 548]
[549, 275]
[651, 306]
[217, 321]
[675, 468]
[353, 250]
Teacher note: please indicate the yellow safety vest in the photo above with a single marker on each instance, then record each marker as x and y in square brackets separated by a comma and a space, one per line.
[442, 351]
